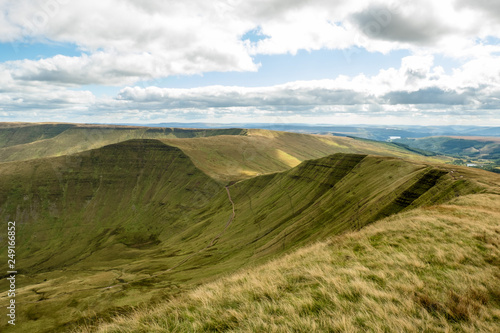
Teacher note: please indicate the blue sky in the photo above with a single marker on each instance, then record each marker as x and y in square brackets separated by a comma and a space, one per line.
[274, 69]
[380, 62]
[17, 50]
[305, 65]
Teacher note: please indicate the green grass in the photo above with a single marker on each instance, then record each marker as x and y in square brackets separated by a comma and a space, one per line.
[431, 269]
[224, 154]
[100, 229]
[473, 147]
[18, 135]
[30, 141]
[263, 151]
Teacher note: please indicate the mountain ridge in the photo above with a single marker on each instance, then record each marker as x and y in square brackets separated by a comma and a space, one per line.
[127, 191]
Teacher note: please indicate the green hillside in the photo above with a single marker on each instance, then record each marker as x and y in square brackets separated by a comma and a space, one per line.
[138, 222]
[264, 151]
[224, 154]
[431, 269]
[82, 217]
[29, 141]
[480, 152]
[21, 134]
[472, 147]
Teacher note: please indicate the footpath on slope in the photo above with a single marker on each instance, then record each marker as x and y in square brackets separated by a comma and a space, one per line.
[213, 242]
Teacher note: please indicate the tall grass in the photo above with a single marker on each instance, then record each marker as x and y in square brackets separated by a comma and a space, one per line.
[431, 269]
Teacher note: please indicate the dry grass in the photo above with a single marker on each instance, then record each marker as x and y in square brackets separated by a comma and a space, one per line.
[431, 269]
[233, 158]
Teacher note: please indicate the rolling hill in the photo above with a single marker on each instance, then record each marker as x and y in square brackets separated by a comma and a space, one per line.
[150, 217]
[469, 147]
[260, 152]
[480, 152]
[224, 154]
[138, 222]
[26, 141]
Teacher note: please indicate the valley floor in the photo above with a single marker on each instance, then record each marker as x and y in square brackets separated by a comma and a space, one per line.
[434, 269]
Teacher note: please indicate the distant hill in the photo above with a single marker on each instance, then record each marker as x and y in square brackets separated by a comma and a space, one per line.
[28, 141]
[479, 152]
[264, 151]
[473, 147]
[373, 132]
[138, 221]
[224, 154]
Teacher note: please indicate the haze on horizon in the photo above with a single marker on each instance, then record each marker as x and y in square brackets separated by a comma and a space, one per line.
[233, 61]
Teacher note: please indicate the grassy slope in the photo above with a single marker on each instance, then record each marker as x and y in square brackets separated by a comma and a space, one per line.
[18, 135]
[432, 269]
[92, 211]
[478, 138]
[263, 151]
[458, 146]
[24, 142]
[82, 217]
[224, 154]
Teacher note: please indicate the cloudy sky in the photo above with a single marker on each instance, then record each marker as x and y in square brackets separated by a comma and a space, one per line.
[288, 61]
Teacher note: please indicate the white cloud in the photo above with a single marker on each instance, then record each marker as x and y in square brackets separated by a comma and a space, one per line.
[123, 42]
[127, 41]
[416, 88]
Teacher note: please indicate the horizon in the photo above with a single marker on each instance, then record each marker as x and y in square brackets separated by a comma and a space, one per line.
[244, 123]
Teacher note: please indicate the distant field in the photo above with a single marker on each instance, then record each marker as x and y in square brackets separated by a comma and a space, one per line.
[466, 147]
[478, 138]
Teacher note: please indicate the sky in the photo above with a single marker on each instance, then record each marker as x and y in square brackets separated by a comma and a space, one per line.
[418, 62]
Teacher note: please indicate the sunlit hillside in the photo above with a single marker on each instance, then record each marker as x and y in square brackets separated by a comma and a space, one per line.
[432, 269]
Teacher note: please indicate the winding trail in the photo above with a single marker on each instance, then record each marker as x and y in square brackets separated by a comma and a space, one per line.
[213, 242]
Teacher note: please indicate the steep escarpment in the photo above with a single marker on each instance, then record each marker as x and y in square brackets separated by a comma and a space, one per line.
[126, 193]
[324, 197]
[137, 221]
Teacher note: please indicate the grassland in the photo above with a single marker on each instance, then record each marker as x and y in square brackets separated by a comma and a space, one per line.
[144, 221]
[433, 269]
[468, 147]
[103, 228]
[260, 152]
[19, 142]
[224, 154]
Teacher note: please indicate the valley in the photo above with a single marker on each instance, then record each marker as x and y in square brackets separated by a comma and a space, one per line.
[149, 220]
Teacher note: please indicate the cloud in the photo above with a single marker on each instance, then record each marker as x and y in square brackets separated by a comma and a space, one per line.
[432, 95]
[416, 88]
[127, 41]
[301, 94]
[486, 8]
[124, 41]
[417, 24]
